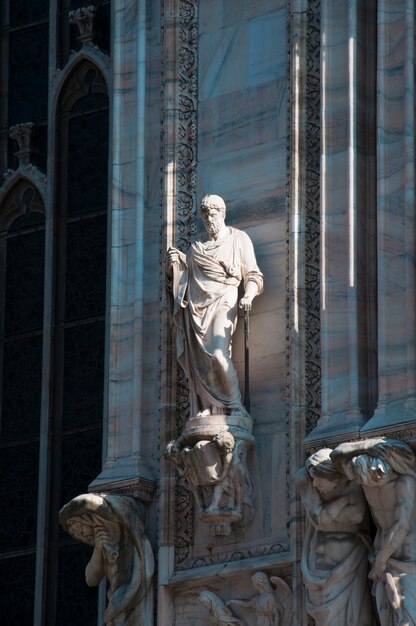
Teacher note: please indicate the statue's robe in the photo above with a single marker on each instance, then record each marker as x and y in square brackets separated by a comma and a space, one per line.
[204, 287]
[337, 595]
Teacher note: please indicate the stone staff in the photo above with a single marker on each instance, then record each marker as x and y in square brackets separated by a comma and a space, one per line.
[246, 358]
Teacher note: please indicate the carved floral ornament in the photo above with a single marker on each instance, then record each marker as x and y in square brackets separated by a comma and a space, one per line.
[26, 171]
[22, 133]
[84, 18]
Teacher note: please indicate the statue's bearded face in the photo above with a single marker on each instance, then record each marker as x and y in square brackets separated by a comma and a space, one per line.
[213, 220]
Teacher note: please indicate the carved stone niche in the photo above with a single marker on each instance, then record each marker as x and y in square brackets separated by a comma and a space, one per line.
[213, 465]
[202, 295]
[122, 554]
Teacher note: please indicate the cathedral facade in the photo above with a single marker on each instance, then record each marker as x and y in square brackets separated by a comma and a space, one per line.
[120, 502]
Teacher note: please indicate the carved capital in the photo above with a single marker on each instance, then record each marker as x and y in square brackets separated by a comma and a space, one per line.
[84, 19]
[122, 554]
[22, 133]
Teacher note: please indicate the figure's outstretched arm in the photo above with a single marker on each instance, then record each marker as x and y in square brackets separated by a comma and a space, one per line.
[405, 487]
[246, 603]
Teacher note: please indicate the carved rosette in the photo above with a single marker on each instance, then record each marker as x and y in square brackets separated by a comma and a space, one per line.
[84, 19]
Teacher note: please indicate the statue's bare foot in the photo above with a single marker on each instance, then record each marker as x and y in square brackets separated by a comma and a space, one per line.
[204, 413]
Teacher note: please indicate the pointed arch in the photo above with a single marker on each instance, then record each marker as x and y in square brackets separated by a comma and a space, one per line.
[22, 270]
[89, 56]
[21, 194]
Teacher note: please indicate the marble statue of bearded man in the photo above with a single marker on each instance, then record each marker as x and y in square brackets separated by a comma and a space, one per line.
[203, 287]
[335, 547]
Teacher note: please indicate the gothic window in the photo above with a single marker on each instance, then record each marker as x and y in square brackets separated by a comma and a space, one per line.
[53, 255]
[25, 39]
[80, 257]
[22, 245]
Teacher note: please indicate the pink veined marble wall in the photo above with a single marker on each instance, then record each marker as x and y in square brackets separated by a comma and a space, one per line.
[396, 215]
[347, 211]
[242, 150]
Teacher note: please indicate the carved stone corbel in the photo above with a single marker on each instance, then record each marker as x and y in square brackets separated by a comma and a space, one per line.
[122, 553]
[215, 470]
[84, 18]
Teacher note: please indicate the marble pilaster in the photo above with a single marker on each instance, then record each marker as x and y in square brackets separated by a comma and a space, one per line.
[302, 251]
[125, 466]
[396, 405]
[179, 113]
[347, 242]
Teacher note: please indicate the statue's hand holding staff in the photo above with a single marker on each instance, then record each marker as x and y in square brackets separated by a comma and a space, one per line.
[245, 303]
[251, 292]
[173, 256]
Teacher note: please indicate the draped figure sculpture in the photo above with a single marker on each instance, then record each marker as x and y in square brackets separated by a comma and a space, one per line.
[203, 287]
[122, 554]
[386, 470]
[211, 452]
[335, 546]
[220, 614]
[272, 604]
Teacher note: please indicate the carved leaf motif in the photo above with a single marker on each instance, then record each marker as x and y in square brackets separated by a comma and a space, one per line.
[187, 12]
[312, 300]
